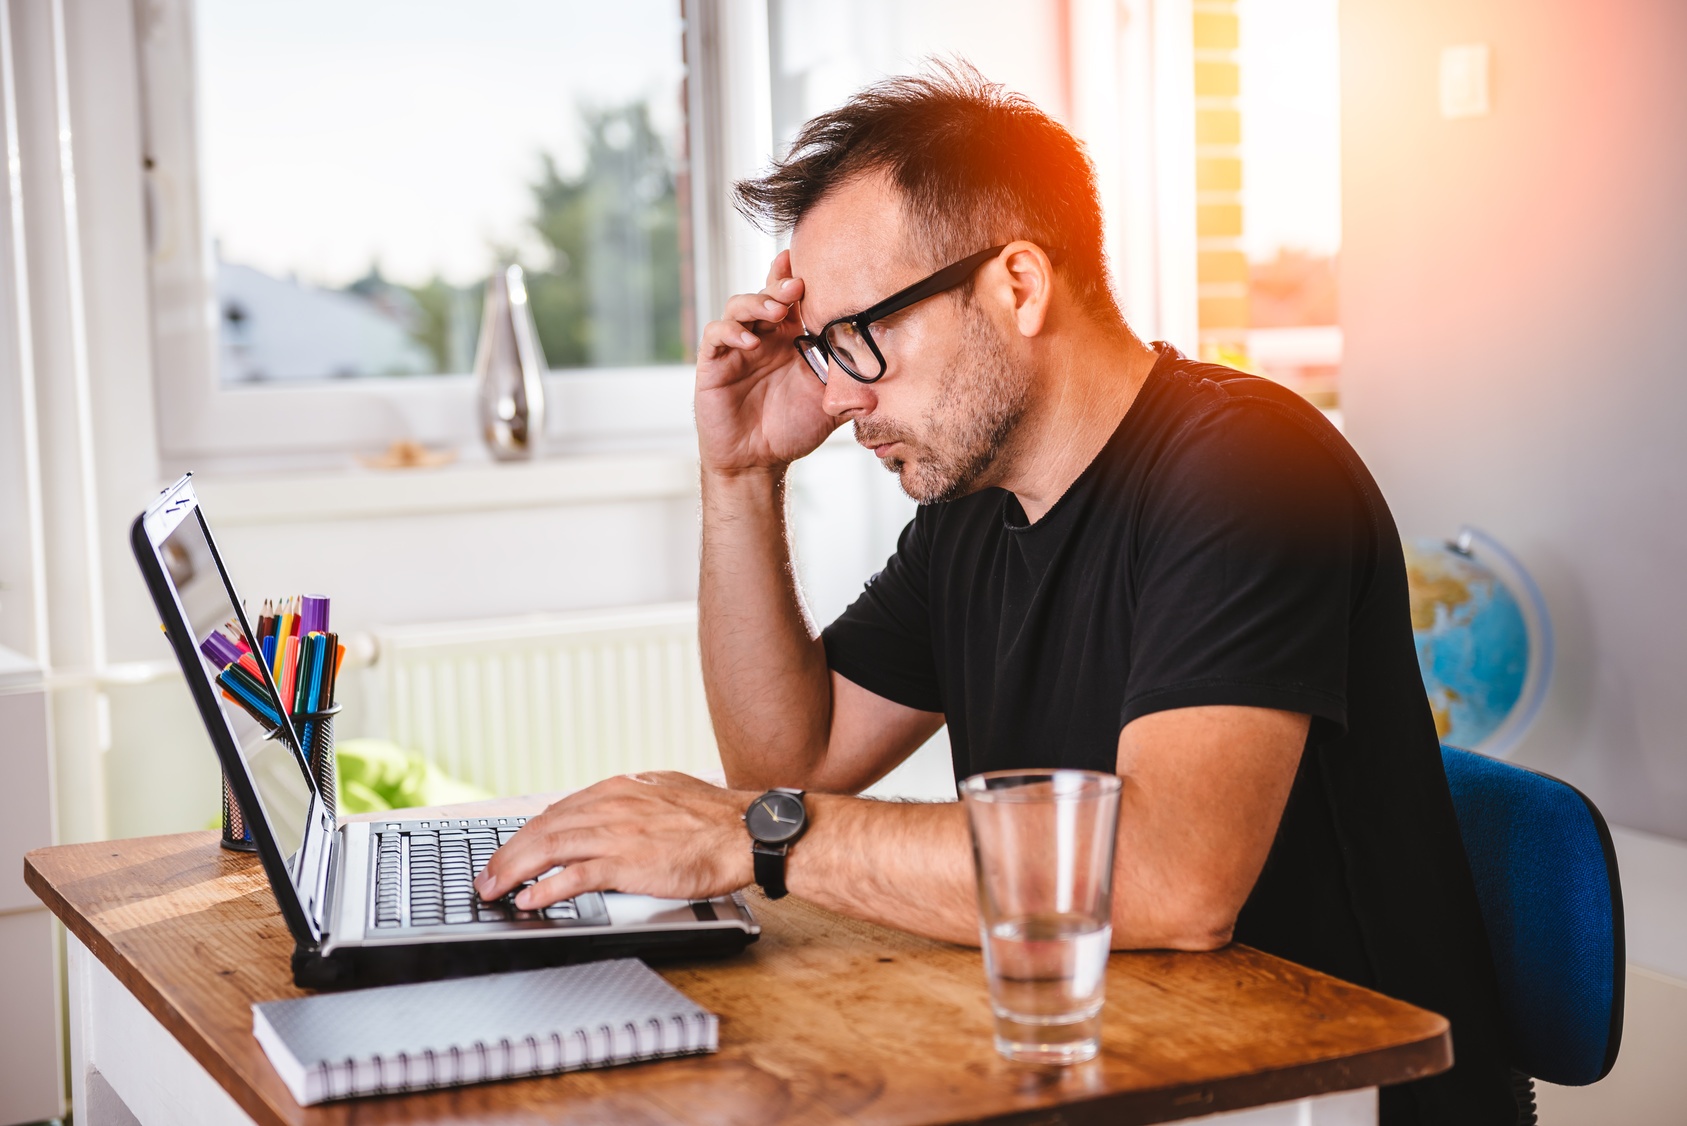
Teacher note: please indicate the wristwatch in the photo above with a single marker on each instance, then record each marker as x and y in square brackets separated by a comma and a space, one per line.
[775, 820]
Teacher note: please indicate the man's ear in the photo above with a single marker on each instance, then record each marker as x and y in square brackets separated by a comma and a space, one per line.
[1029, 285]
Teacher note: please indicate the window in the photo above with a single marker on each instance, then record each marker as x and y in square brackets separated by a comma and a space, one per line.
[330, 185]
[823, 53]
[1269, 184]
[355, 201]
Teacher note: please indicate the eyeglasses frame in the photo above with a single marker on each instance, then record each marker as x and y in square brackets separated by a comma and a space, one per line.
[949, 277]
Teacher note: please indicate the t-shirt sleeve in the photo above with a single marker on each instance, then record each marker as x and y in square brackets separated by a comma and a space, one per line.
[883, 640]
[1244, 571]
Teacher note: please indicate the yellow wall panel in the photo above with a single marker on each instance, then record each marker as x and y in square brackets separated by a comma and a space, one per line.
[1218, 174]
[1224, 312]
[1217, 80]
[1216, 31]
[1221, 266]
[1218, 127]
[1218, 220]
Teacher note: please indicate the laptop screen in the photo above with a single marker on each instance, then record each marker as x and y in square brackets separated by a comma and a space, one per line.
[277, 773]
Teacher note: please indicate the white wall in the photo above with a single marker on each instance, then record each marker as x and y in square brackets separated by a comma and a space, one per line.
[1511, 290]
[1511, 296]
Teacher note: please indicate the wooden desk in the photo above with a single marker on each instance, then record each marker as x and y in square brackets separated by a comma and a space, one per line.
[825, 1019]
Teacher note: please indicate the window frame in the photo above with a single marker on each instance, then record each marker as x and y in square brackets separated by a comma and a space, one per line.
[203, 421]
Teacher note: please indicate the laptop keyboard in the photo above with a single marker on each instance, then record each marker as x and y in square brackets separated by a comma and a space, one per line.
[425, 870]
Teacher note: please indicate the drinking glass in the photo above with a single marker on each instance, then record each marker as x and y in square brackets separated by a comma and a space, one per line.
[1043, 841]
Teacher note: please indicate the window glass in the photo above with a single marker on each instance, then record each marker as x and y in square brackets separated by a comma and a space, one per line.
[1290, 102]
[823, 53]
[366, 166]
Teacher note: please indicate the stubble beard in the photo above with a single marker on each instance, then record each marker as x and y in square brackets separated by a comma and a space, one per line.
[983, 398]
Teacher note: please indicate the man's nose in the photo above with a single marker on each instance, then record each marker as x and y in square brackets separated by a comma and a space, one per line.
[846, 397]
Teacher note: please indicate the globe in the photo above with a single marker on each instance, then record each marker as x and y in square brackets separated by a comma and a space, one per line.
[1484, 639]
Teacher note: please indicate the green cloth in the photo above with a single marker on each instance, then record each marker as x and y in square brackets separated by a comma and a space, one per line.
[374, 775]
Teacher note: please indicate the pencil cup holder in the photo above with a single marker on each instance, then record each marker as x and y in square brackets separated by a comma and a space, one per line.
[236, 835]
[316, 732]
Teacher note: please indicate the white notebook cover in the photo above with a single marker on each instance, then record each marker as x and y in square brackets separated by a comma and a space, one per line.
[473, 1029]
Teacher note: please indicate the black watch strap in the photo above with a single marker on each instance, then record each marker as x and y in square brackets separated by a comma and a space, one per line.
[770, 867]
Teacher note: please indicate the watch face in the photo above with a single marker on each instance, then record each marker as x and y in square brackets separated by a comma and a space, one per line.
[774, 818]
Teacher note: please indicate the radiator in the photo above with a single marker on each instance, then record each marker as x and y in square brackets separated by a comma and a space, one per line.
[549, 702]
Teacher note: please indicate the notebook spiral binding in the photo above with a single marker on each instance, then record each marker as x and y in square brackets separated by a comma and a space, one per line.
[506, 1060]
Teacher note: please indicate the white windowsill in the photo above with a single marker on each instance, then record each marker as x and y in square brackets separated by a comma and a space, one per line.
[464, 486]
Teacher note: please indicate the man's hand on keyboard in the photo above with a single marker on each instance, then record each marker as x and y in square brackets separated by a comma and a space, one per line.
[663, 834]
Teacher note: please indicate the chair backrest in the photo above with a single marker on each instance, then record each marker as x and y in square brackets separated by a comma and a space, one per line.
[1546, 876]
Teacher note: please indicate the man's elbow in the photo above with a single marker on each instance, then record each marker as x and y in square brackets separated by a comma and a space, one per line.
[1198, 938]
[1190, 925]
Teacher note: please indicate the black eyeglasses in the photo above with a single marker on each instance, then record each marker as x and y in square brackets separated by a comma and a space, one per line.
[847, 340]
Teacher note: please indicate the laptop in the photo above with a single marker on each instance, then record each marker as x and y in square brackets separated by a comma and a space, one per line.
[384, 901]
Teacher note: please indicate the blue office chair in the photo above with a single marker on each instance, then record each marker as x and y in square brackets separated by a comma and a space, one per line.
[1546, 876]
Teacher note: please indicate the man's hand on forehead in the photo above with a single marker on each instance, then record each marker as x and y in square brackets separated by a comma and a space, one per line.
[749, 314]
[758, 406]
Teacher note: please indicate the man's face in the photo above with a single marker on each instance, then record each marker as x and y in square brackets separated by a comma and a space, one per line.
[951, 394]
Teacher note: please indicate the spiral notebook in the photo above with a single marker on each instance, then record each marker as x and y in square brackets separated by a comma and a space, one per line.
[475, 1029]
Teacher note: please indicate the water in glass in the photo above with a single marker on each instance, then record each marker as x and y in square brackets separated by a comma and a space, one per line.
[1046, 974]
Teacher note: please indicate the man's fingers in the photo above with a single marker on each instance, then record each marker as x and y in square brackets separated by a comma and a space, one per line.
[588, 875]
[779, 269]
[780, 282]
[722, 336]
[749, 308]
[786, 289]
[534, 850]
[745, 311]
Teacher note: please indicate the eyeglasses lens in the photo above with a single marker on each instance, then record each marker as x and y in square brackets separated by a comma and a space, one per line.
[815, 355]
[852, 351]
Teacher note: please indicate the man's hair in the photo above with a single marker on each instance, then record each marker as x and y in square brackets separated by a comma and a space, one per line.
[976, 164]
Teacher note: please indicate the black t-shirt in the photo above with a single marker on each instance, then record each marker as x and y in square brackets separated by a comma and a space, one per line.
[1225, 547]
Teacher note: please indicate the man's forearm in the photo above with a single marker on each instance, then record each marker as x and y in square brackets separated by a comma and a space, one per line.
[902, 864]
[763, 668]
[909, 865]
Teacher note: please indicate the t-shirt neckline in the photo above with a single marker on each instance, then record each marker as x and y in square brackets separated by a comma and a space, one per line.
[1167, 356]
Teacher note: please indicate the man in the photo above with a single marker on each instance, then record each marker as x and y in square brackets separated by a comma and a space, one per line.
[1123, 561]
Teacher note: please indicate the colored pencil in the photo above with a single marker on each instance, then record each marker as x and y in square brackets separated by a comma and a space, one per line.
[289, 672]
[313, 613]
[249, 696]
[309, 675]
[320, 673]
[307, 663]
[219, 649]
[238, 639]
[339, 654]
